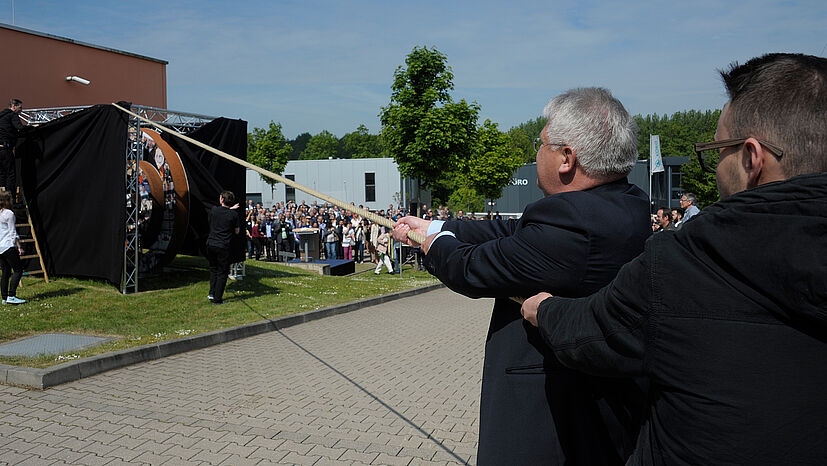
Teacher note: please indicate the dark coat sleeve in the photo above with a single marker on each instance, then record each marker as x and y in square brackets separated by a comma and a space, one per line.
[480, 231]
[603, 334]
[498, 259]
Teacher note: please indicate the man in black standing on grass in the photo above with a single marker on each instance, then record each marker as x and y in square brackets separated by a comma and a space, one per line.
[224, 223]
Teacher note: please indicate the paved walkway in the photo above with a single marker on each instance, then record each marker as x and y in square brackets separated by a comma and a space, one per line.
[392, 384]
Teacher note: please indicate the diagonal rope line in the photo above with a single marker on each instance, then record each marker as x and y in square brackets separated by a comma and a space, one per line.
[363, 390]
[344, 205]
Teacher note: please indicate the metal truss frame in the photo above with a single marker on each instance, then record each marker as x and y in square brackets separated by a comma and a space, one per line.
[178, 121]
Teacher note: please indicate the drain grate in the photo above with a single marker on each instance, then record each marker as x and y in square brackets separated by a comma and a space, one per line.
[49, 343]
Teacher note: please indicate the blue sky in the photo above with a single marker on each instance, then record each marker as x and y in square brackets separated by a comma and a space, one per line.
[314, 65]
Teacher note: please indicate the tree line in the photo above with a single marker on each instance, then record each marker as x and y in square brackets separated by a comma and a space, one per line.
[441, 143]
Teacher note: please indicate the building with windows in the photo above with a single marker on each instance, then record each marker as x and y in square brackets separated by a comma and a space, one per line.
[373, 183]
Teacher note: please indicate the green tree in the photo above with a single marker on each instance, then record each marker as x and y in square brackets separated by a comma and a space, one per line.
[268, 150]
[360, 144]
[424, 130]
[299, 144]
[523, 136]
[466, 198]
[492, 165]
[678, 135]
[321, 146]
[699, 182]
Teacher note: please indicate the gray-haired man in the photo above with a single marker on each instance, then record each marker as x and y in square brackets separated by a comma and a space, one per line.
[574, 240]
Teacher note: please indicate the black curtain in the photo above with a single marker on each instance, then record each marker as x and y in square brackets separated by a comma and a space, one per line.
[209, 174]
[72, 173]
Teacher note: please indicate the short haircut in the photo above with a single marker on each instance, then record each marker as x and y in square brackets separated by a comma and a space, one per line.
[781, 97]
[229, 198]
[13, 102]
[665, 212]
[691, 198]
[597, 127]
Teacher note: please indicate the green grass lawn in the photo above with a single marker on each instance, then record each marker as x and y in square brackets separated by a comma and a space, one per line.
[175, 304]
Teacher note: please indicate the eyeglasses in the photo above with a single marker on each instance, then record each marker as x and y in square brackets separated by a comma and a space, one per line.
[538, 143]
[709, 165]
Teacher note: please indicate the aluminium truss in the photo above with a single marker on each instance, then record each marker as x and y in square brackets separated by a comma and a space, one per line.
[178, 121]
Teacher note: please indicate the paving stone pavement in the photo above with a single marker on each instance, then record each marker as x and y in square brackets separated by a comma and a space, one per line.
[392, 384]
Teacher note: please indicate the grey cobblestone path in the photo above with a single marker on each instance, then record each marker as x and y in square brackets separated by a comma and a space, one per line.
[392, 384]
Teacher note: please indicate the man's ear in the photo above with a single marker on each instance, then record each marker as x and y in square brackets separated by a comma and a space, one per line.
[754, 160]
[569, 160]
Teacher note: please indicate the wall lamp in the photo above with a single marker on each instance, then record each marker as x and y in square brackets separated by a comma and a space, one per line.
[78, 79]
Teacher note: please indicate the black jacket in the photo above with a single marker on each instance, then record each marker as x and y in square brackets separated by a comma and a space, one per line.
[10, 127]
[727, 318]
[532, 410]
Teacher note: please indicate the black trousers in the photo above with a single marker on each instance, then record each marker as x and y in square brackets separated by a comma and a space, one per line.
[269, 248]
[8, 178]
[219, 259]
[10, 259]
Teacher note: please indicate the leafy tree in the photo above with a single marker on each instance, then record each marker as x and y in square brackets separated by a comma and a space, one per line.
[321, 146]
[360, 144]
[424, 130]
[523, 136]
[678, 134]
[699, 182]
[299, 144]
[491, 167]
[268, 150]
[466, 198]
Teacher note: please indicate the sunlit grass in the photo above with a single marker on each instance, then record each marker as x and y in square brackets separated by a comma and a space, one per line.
[175, 304]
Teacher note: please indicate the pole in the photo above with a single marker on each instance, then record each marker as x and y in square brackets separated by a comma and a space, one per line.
[415, 236]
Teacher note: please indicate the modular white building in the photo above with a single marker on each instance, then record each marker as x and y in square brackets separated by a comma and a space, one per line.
[373, 183]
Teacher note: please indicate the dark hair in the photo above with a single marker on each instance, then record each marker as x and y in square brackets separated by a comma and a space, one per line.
[6, 200]
[13, 102]
[229, 198]
[666, 212]
[781, 97]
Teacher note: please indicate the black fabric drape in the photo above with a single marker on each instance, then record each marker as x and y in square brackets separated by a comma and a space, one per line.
[72, 174]
[209, 174]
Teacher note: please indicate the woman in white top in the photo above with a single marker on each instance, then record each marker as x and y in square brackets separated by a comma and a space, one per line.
[10, 251]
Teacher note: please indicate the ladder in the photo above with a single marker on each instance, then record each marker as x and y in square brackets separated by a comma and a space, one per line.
[28, 237]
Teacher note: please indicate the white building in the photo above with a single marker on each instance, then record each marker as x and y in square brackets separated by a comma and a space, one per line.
[374, 183]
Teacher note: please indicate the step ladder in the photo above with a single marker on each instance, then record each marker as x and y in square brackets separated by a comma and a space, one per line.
[28, 237]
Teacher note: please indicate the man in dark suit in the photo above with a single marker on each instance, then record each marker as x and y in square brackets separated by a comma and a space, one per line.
[574, 240]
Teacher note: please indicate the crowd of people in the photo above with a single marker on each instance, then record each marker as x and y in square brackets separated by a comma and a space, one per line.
[342, 234]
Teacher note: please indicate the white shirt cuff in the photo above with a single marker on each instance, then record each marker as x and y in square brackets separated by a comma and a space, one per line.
[435, 227]
[443, 233]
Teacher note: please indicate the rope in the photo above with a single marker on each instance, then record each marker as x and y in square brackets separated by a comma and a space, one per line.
[415, 236]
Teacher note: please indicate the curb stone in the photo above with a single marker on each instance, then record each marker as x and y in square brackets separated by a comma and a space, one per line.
[86, 367]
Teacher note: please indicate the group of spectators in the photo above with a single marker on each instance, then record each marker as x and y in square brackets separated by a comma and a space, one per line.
[342, 234]
[667, 219]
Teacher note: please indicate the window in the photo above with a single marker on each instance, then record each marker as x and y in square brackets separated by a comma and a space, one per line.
[289, 191]
[370, 187]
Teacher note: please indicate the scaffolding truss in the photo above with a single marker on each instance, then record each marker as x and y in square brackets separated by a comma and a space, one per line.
[178, 121]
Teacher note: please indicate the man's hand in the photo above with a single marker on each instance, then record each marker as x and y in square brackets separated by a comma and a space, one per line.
[401, 227]
[530, 305]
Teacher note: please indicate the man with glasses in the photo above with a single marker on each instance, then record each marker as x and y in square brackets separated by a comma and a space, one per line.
[688, 202]
[737, 368]
[574, 240]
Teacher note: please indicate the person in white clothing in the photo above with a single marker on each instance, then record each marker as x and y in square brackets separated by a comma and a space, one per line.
[10, 252]
[382, 250]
